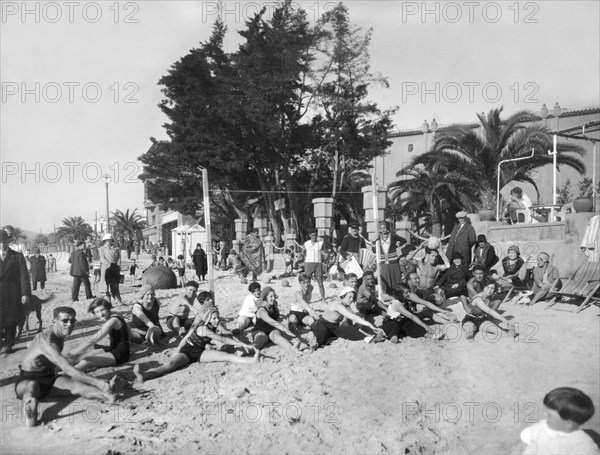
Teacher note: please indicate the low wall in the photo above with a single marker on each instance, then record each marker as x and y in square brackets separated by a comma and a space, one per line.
[560, 240]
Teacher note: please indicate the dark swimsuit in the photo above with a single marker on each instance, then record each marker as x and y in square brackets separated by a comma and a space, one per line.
[46, 377]
[195, 346]
[119, 342]
[265, 327]
[475, 315]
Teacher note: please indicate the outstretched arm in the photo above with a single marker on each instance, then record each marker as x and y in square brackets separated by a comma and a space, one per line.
[300, 301]
[483, 307]
[264, 315]
[60, 361]
[348, 314]
[206, 332]
[89, 342]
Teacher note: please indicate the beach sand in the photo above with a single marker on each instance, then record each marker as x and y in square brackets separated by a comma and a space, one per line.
[417, 397]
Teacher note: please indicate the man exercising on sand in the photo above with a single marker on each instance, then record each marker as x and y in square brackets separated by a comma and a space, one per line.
[429, 272]
[38, 378]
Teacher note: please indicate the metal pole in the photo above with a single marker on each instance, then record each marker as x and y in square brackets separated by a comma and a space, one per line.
[107, 211]
[209, 248]
[553, 177]
[594, 177]
[377, 243]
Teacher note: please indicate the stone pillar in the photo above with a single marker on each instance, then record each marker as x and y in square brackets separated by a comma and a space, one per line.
[323, 211]
[403, 229]
[261, 224]
[372, 229]
[269, 251]
[241, 225]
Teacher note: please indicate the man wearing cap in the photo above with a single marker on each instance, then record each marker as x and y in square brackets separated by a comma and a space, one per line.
[484, 253]
[389, 249]
[313, 261]
[352, 243]
[462, 238]
[38, 269]
[15, 289]
[80, 270]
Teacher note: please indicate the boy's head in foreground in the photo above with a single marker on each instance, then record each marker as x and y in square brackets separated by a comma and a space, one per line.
[568, 408]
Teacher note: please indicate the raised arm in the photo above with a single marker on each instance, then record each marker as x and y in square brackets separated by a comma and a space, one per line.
[445, 259]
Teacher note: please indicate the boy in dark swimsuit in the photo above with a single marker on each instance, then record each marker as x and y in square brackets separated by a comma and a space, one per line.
[38, 378]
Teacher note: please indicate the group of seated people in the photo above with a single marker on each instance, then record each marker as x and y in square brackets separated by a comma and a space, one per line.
[413, 309]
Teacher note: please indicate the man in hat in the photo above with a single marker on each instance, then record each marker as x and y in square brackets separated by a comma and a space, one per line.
[80, 271]
[110, 259]
[15, 290]
[352, 243]
[484, 253]
[389, 250]
[462, 238]
[38, 269]
[313, 265]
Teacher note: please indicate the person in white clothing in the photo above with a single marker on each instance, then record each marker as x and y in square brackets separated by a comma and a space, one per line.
[560, 432]
[249, 307]
[300, 311]
[313, 262]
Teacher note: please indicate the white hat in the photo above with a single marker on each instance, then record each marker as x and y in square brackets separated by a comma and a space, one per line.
[107, 237]
[345, 291]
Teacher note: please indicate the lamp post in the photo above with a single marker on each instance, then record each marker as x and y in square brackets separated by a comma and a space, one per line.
[106, 179]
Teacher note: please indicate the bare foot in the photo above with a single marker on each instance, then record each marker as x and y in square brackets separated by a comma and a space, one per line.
[297, 345]
[139, 376]
[31, 413]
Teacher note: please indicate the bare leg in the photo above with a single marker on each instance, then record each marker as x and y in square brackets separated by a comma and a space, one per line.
[175, 362]
[97, 358]
[321, 288]
[65, 386]
[277, 338]
[29, 392]
[219, 356]
[242, 323]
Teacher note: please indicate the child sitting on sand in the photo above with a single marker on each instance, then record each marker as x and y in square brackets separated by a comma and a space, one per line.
[300, 310]
[326, 326]
[249, 307]
[193, 348]
[560, 432]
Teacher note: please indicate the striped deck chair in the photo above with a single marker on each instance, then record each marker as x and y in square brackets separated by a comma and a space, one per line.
[583, 284]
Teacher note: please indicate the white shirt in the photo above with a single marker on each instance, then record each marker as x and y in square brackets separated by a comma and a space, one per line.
[541, 439]
[313, 251]
[249, 306]
[385, 244]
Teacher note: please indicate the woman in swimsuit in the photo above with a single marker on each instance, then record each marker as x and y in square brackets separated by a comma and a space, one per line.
[479, 315]
[267, 326]
[325, 327]
[116, 353]
[193, 348]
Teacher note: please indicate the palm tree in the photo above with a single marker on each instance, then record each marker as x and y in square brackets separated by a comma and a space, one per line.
[74, 228]
[429, 194]
[128, 224]
[463, 151]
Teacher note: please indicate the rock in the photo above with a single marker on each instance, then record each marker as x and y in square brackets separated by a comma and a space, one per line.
[285, 284]
[332, 286]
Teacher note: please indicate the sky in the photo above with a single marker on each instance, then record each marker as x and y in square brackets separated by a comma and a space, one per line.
[80, 81]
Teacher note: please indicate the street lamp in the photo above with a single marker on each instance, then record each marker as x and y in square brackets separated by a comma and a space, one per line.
[106, 179]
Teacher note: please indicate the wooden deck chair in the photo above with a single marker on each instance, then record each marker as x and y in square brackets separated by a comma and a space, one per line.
[583, 284]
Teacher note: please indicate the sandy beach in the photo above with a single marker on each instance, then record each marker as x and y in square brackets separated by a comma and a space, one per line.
[417, 397]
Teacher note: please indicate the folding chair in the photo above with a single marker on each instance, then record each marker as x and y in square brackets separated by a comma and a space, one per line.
[523, 216]
[583, 284]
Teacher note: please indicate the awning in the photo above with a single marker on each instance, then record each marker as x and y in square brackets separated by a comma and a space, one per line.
[581, 131]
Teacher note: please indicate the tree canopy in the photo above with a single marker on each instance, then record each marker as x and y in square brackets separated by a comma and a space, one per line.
[283, 117]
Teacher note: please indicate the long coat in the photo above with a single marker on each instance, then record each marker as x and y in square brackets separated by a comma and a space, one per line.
[462, 242]
[79, 263]
[14, 283]
[38, 268]
[200, 262]
[108, 256]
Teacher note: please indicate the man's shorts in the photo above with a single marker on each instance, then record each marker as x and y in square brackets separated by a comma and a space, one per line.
[299, 315]
[313, 267]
